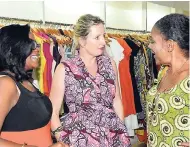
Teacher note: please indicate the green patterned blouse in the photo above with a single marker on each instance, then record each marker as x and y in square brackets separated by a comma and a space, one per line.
[168, 118]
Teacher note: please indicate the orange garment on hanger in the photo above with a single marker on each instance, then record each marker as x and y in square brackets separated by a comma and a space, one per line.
[45, 73]
[125, 80]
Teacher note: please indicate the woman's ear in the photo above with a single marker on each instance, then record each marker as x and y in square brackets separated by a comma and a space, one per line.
[170, 44]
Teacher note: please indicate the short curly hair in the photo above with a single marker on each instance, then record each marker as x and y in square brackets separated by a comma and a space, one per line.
[175, 27]
[15, 47]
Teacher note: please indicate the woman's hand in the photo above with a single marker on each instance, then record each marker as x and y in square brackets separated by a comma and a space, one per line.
[185, 144]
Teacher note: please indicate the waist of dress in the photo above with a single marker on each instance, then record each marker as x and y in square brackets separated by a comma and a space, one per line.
[89, 118]
[75, 108]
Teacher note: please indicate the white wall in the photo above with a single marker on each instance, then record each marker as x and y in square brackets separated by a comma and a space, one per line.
[61, 11]
[132, 14]
[174, 4]
[155, 12]
[123, 14]
[22, 9]
[66, 11]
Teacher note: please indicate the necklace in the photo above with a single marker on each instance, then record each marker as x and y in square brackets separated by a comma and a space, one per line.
[176, 72]
[156, 98]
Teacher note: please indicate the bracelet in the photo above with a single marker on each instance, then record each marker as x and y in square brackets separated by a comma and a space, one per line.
[24, 144]
[59, 129]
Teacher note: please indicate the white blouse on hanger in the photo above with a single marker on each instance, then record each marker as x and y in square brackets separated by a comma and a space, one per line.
[115, 51]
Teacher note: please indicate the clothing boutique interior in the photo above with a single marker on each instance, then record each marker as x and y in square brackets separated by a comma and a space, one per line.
[128, 25]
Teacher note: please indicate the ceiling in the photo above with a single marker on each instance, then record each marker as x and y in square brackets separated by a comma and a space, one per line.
[175, 4]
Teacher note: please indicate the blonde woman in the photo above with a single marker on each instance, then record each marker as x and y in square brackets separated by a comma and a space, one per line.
[90, 86]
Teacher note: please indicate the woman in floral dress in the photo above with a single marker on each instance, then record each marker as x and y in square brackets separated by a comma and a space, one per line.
[88, 82]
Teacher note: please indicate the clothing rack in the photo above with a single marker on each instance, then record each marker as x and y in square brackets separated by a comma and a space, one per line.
[5, 19]
[138, 35]
[124, 31]
[39, 23]
[36, 23]
[143, 31]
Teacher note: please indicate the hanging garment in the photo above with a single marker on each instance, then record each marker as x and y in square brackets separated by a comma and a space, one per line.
[56, 55]
[91, 120]
[108, 51]
[35, 80]
[143, 78]
[53, 62]
[131, 121]
[40, 70]
[135, 50]
[125, 80]
[48, 68]
[116, 50]
[155, 70]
